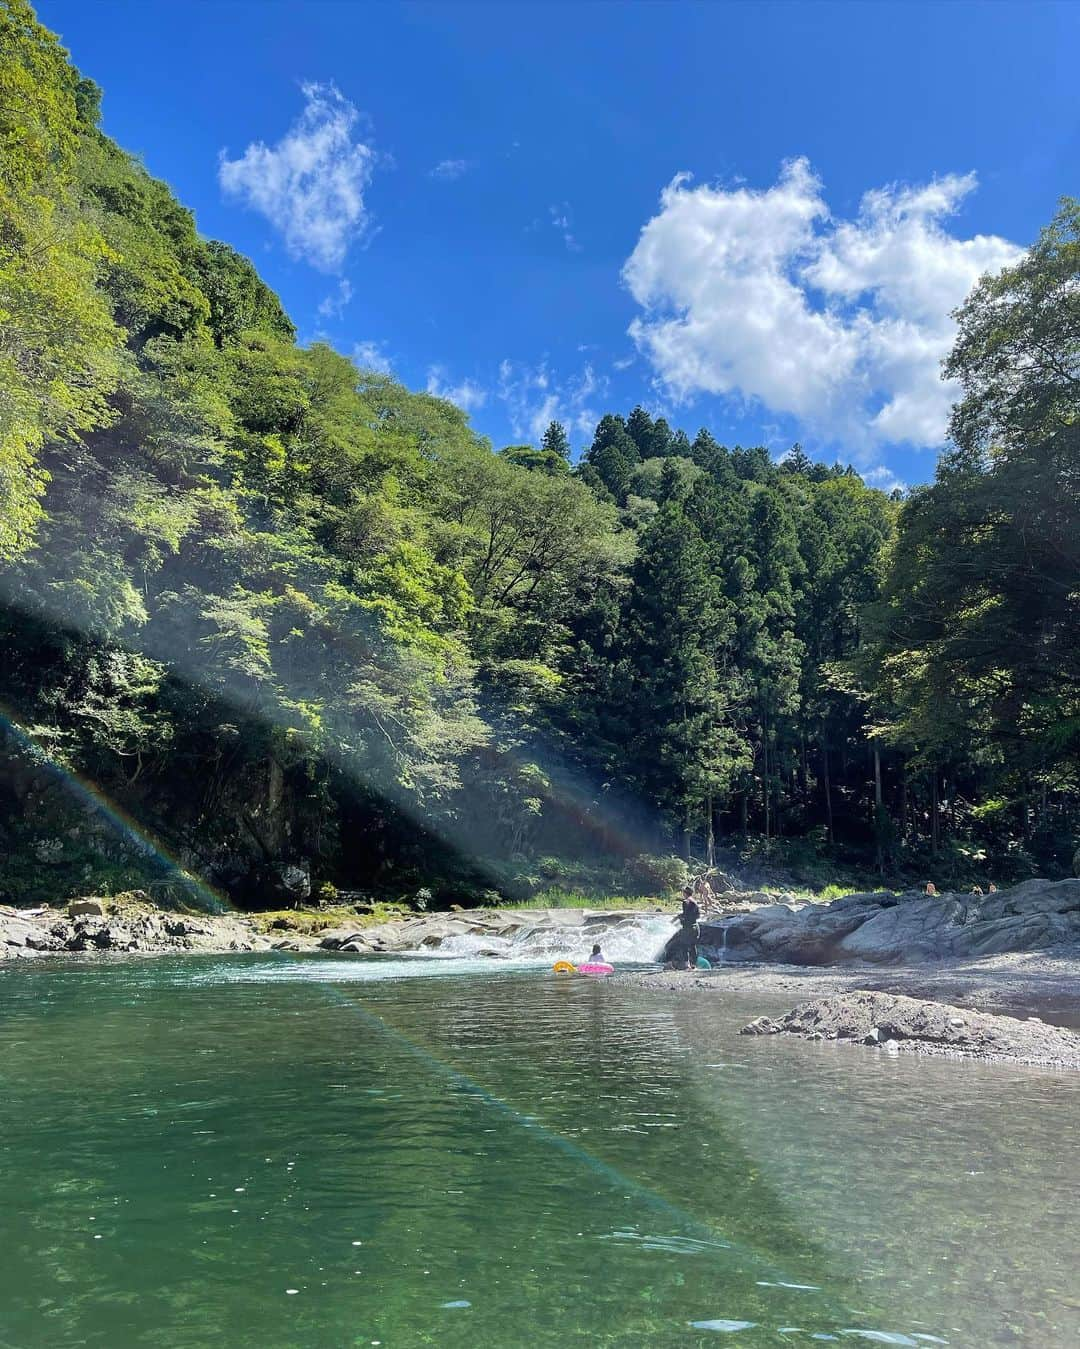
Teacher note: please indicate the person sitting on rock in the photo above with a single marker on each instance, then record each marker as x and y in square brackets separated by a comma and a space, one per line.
[931, 888]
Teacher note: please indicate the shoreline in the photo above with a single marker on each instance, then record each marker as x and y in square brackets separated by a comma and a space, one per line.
[1043, 982]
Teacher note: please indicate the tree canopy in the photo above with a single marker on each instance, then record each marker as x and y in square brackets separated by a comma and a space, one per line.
[281, 611]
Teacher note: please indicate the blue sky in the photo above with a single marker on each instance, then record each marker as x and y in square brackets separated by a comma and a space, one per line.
[487, 197]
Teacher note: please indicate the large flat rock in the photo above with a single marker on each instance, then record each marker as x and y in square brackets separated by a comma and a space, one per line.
[896, 929]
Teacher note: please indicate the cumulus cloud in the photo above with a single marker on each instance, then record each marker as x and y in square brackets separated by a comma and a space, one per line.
[466, 395]
[446, 170]
[841, 324]
[333, 306]
[371, 356]
[534, 396]
[311, 184]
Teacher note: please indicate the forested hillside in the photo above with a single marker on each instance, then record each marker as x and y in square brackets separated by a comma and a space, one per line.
[266, 616]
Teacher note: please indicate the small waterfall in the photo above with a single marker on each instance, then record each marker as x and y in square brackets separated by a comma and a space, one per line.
[624, 939]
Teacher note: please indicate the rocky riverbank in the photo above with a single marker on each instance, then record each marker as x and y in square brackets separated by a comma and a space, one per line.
[919, 945]
[131, 924]
[897, 1024]
[1044, 983]
[885, 928]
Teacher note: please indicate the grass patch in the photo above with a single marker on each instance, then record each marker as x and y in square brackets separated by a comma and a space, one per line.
[558, 898]
[307, 921]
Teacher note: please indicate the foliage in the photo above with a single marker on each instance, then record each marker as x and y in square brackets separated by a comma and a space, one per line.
[656, 875]
[285, 613]
[978, 632]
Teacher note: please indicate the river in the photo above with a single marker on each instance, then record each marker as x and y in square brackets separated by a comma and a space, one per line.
[313, 1151]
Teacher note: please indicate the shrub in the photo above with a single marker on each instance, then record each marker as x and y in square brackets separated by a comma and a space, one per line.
[656, 875]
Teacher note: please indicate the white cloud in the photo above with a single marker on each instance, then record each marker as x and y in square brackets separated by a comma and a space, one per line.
[466, 395]
[841, 324]
[560, 219]
[884, 478]
[311, 184]
[446, 170]
[534, 397]
[333, 306]
[371, 356]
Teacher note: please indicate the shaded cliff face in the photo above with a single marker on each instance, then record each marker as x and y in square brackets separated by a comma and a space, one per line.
[890, 929]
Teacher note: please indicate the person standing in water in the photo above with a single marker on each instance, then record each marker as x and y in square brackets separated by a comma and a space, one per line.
[690, 928]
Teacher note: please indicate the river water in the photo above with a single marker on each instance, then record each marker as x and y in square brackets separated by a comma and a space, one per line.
[300, 1151]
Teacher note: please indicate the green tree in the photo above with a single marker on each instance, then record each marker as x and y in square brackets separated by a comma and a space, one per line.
[980, 624]
[58, 345]
[556, 441]
[613, 455]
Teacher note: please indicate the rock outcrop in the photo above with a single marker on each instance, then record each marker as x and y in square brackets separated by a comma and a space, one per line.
[892, 929]
[897, 1024]
[131, 924]
[431, 932]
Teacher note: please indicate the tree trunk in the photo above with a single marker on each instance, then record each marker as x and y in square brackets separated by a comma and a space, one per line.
[710, 841]
[828, 793]
[274, 830]
[904, 806]
[935, 820]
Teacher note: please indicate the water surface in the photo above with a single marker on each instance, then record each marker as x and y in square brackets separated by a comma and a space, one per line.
[309, 1151]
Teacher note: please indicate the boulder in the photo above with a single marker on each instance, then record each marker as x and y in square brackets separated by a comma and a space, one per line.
[88, 907]
[295, 880]
[761, 1026]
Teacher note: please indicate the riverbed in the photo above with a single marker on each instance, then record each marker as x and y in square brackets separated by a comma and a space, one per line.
[294, 1150]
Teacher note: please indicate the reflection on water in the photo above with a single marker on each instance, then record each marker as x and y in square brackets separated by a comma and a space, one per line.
[290, 1151]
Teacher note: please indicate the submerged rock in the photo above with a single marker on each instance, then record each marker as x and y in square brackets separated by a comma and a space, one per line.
[900, 1024]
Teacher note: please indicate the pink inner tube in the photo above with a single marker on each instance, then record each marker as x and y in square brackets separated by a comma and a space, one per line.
[599, 968]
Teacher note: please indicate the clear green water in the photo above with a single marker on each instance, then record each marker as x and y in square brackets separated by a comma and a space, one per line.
[469, 1159]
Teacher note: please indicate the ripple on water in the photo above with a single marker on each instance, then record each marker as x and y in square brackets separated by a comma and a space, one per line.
[724, 1327]
[673, 1245]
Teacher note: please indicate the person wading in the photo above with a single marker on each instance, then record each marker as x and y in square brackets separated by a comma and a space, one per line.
[690, 928]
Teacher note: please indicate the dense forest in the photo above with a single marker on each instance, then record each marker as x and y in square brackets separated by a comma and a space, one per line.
[272, 622]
